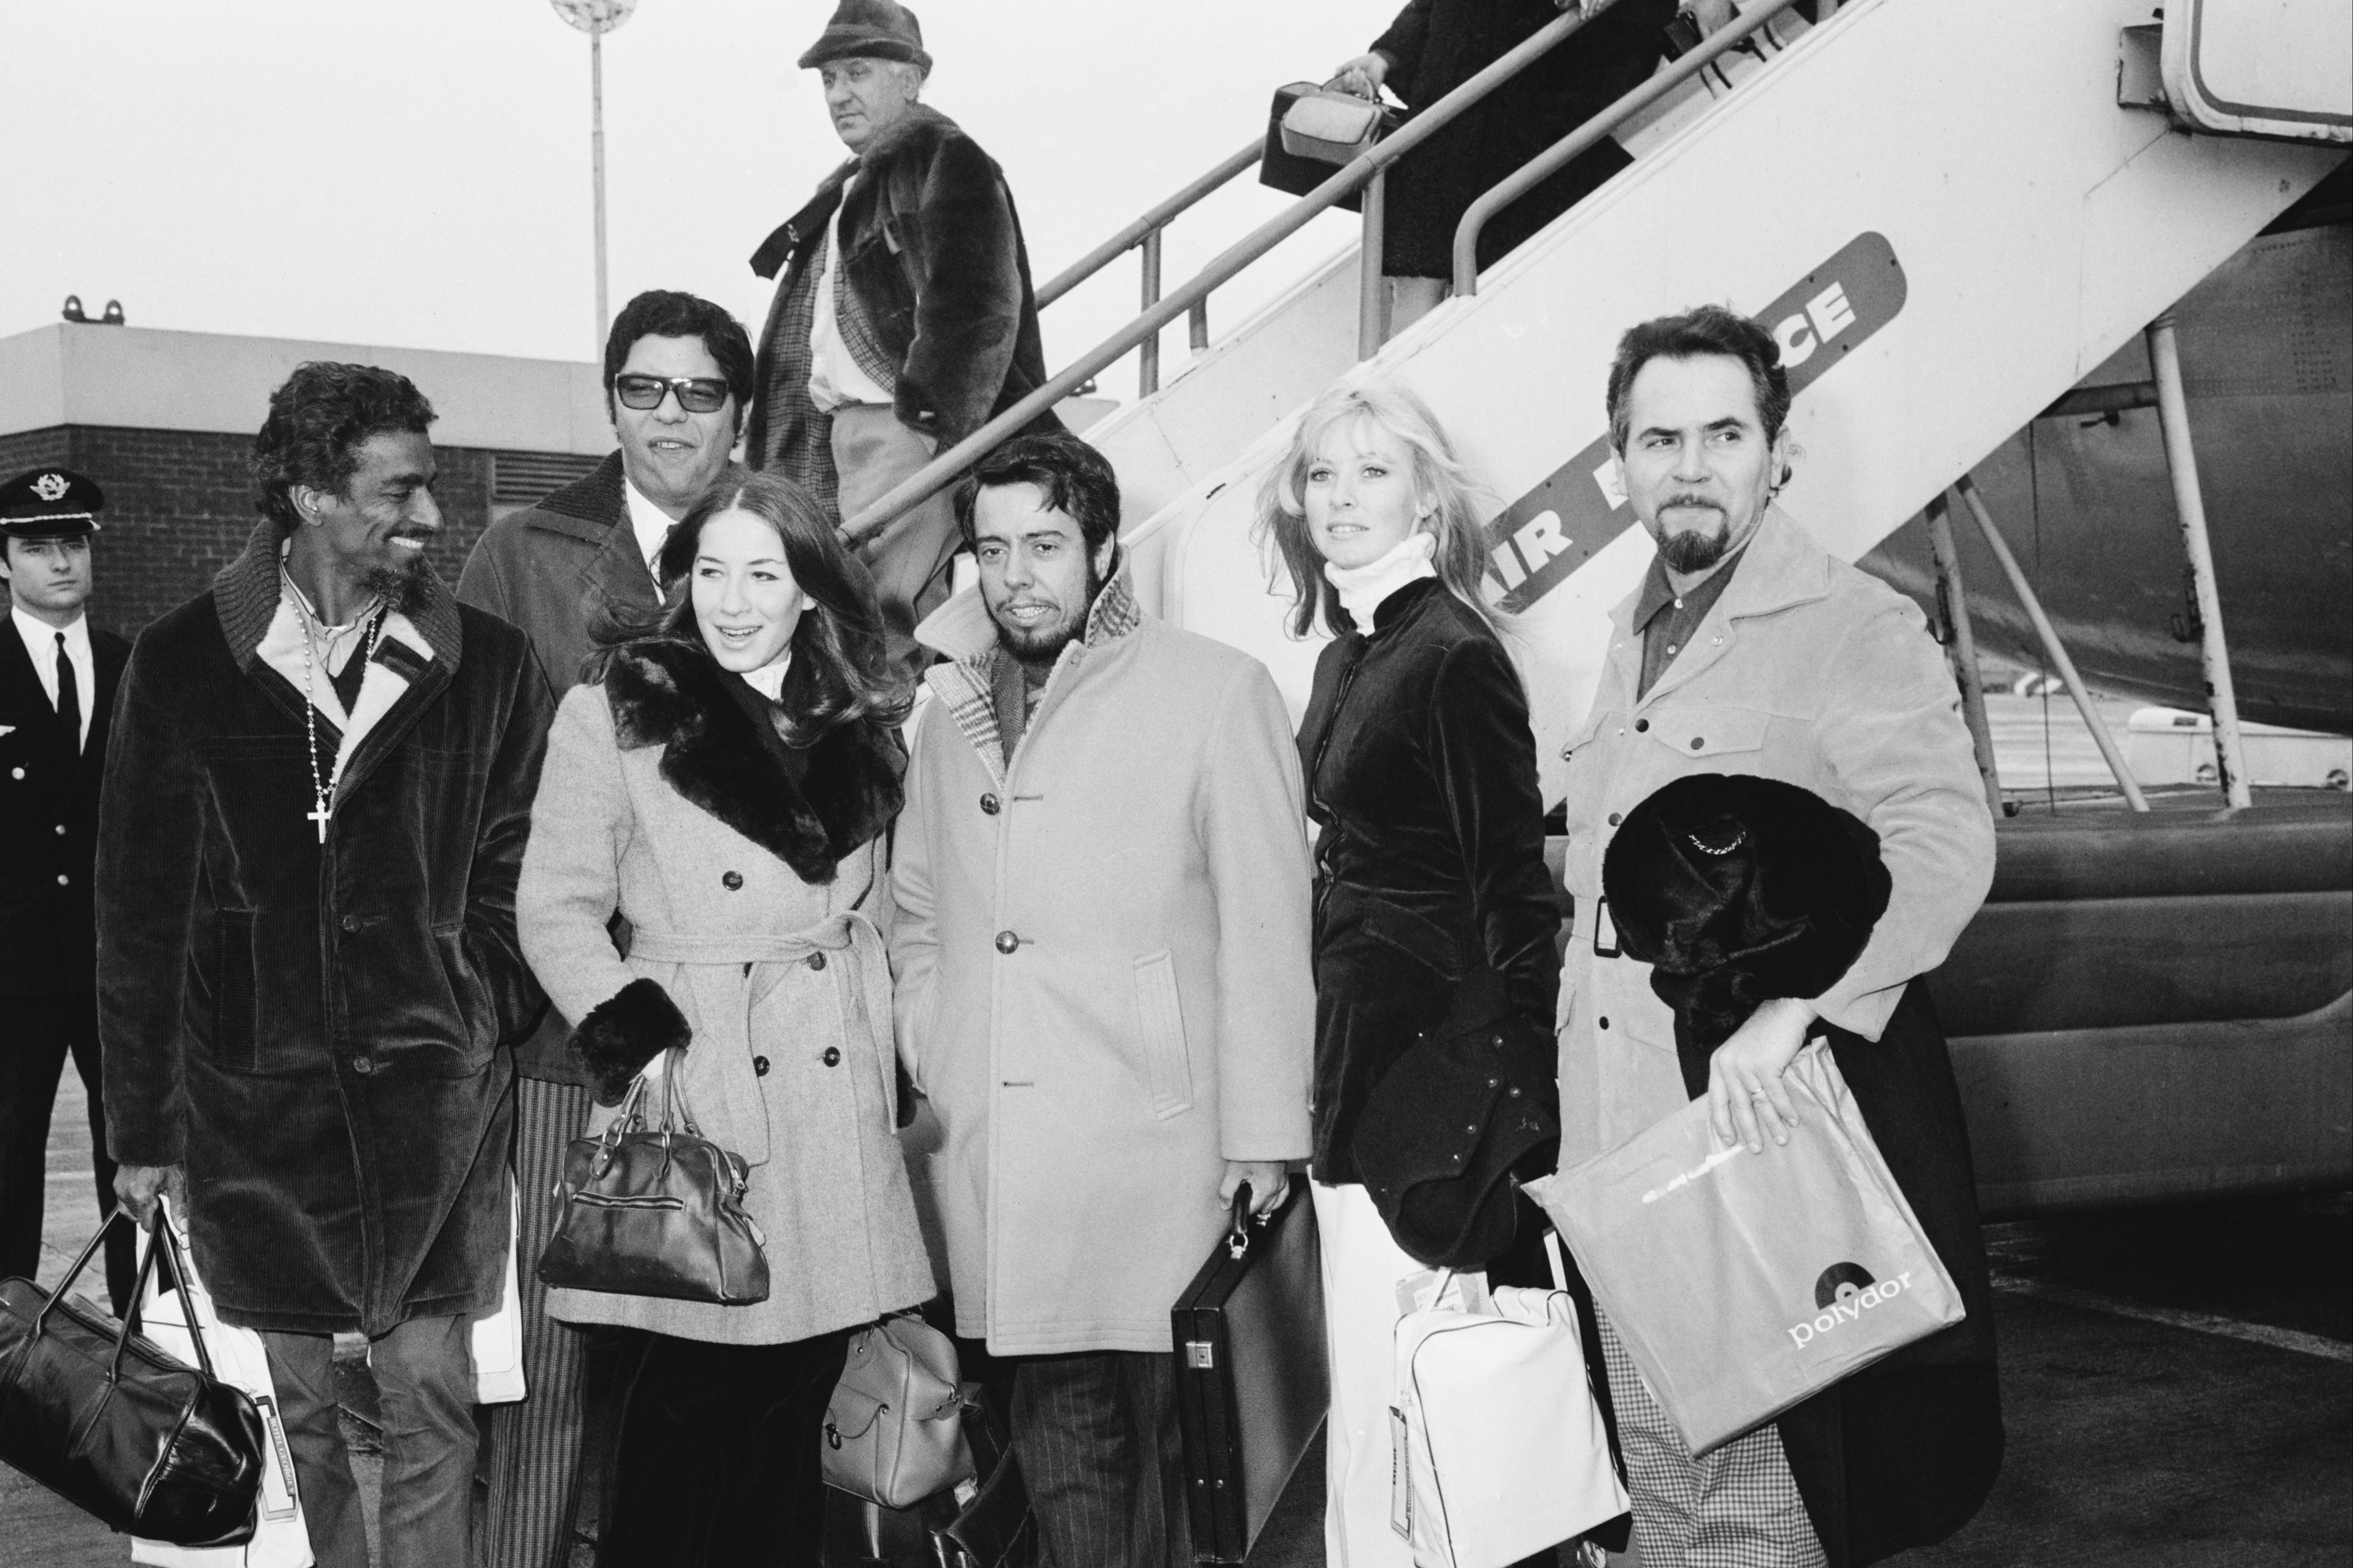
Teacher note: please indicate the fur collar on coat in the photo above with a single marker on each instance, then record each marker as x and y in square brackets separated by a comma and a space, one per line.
[665, 695]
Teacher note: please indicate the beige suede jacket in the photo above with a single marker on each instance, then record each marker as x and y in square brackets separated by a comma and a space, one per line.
[1808, 672]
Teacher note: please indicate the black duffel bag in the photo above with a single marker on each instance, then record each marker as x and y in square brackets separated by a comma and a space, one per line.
[105, 1419]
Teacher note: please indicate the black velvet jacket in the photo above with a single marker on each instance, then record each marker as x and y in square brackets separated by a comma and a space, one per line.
[317, 1030]
[1433, 906]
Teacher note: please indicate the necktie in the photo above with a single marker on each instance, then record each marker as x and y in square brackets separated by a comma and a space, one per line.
[68, 699]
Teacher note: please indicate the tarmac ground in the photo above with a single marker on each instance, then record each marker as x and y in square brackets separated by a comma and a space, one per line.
[2178, 1380]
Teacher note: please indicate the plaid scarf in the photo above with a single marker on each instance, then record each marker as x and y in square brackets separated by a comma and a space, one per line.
[857, 326]
[797, 440]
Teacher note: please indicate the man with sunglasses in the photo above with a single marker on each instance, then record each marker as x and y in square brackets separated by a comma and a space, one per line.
[677, 372]
[905, 318]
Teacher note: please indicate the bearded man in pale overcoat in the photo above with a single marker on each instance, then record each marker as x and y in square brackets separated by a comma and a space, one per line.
[1749, 649]
[1104, 983]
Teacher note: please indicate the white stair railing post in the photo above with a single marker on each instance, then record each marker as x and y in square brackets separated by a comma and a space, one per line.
[1372, 288]
[1962, 644]
[2182, 461]
[2052, 646]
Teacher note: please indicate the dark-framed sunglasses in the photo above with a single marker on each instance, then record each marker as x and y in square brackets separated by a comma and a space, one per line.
[696, 394]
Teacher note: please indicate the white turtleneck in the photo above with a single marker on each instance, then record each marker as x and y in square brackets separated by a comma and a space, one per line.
[1362, 588]
[768, 680]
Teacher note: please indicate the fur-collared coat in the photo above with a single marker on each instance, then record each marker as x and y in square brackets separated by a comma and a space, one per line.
[932, 245]
[1104, 972]
[316, 1030]
[755, 878]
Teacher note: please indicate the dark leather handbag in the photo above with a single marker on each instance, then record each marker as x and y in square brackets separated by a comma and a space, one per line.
[1298, 172]
[656, 1211]
[1253, 1379]
[104, 1418]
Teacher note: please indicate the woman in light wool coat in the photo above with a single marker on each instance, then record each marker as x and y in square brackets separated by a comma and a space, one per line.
[726, 783]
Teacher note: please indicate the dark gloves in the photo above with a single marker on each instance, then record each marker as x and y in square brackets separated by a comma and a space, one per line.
[624, 1032]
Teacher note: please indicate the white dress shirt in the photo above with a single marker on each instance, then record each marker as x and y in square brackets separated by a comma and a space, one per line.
[835, 379]
[41, 642]
[650, 523]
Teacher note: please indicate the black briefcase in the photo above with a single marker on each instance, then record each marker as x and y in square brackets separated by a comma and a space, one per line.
[1252, 1382]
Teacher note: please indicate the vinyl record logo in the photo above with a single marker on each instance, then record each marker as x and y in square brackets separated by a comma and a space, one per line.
[1840, 1282]
[1844, 1292]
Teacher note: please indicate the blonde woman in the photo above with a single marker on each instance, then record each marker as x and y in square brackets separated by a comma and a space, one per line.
[1435, 917]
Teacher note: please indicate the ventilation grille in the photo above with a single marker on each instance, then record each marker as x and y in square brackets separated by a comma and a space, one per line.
[524, 478]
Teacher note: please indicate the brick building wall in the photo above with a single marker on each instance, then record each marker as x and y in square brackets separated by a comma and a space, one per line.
[179, 506]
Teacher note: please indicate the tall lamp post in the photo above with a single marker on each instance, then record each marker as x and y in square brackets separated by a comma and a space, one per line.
[596, 18]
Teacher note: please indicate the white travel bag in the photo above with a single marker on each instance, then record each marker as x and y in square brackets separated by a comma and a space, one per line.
[497, 1337]
[1499, 1450]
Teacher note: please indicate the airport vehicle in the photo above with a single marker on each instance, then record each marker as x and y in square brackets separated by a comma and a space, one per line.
[1998, 199]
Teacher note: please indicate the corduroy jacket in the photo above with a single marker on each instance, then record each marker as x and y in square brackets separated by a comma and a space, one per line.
[317, 1029]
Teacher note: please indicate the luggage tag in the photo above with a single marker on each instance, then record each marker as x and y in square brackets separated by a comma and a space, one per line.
[1400, 1474]
[277, 1478]
[1465, 1293]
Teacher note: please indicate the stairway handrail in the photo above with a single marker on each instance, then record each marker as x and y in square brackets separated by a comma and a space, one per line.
[1520, 181]
[951, 465]
[1134, 235]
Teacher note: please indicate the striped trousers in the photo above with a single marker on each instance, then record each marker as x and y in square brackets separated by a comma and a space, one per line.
[534, 1446]
[1096, 1437]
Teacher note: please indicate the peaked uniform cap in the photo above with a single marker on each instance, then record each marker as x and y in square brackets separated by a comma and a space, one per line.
[50, 503]
[879, 30]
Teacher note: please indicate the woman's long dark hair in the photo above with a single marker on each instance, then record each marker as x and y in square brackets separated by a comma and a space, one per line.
[841, 671]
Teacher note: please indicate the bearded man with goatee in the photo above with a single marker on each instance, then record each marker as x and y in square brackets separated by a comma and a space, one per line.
[1749, 649]
[1102, 983]
[309, 982]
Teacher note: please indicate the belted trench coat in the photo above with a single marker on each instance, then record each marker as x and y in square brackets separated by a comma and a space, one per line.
[658, 800]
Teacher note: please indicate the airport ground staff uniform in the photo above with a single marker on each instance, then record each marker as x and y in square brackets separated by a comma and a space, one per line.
[1807, 671]
[50, 764]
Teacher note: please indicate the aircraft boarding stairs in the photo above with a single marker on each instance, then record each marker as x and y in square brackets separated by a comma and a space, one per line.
[1950, 221]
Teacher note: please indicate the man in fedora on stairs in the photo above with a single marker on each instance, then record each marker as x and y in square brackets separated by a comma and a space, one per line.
[906, 320]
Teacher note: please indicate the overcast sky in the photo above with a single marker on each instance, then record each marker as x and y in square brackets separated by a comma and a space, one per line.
[416, 172]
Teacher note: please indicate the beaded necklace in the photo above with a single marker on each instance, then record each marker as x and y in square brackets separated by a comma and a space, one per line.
[322, 790]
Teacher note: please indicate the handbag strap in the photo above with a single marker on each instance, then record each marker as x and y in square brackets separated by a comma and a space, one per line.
[1552, 1256]
[162, 1226]
[66, 1284]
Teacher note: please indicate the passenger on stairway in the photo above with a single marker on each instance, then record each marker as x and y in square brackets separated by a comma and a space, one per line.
[1436, 45]
[904, 321]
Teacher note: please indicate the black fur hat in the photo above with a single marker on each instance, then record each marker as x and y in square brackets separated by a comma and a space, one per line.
[1737, 890]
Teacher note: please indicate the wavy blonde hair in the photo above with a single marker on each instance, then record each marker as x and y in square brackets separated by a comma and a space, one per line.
[1442, 488]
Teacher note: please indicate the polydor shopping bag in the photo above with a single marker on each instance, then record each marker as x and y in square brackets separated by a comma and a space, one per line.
[1742, 1283]
[280, 1538]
